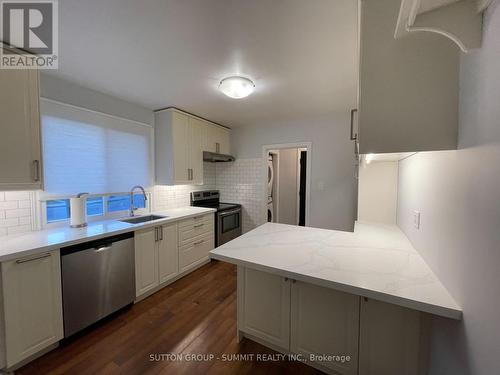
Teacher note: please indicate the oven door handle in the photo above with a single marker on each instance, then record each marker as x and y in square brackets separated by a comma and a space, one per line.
[226, 213]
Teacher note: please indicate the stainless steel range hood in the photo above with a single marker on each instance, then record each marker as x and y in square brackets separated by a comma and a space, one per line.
[214, 157]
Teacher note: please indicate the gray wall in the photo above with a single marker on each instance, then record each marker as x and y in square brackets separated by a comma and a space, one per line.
[61, 90]
[333, 187]
[458, 195]
[288, 163]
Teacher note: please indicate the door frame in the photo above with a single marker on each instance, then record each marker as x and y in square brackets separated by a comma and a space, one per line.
[299, 145]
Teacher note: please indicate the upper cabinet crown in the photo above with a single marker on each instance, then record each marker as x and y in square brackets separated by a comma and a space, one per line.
[20, 144]
[180, 140]
[408, 87]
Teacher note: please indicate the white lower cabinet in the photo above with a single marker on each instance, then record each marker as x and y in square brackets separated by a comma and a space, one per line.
[168, 254]
[146, 261]
[393, 340]
[32, 305]
[331, 330]
[264, 306]
[326, 322]
[156, 257]
[165, 252]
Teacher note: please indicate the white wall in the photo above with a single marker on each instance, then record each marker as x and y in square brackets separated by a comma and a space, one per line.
[287, 186]
[333, 186]
[378, 192]
[458, 195]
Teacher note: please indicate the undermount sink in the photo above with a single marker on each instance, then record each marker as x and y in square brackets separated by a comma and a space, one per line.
[142, 219]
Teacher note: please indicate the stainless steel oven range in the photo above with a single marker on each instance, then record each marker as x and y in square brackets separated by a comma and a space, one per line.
[227, 218]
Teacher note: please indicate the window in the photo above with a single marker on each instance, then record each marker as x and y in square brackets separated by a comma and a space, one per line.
[59, 209]
[93, 152]
[95, 206]
[122, 202]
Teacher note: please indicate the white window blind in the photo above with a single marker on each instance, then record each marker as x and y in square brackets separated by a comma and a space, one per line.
[86, 151]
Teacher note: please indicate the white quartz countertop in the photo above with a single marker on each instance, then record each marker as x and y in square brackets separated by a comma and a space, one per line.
[375, 261]
[12, 247]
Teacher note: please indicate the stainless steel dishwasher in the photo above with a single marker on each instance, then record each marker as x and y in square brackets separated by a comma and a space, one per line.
[98, 278]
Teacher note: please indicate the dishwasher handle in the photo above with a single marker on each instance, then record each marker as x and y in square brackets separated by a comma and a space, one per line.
[102, 248]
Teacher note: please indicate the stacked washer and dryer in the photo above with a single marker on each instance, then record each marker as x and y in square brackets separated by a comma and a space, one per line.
[270, 184]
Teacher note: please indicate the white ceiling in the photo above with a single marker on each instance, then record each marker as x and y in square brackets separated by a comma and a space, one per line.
[301, 54]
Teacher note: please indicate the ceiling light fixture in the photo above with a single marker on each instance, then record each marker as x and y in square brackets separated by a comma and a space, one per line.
[236, 87]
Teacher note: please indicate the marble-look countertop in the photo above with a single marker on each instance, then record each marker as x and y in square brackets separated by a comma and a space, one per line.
[375, 261]
[12, 247]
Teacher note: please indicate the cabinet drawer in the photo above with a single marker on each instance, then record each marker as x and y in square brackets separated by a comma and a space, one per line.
[195, 251]
[193, 229]
[192, 221]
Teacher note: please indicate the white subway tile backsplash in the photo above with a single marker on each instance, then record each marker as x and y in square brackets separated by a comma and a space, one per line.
[15, 212]
[5, 223]
[17, 195]
[8, 205]
[19, 229]
[243, 182]
[167, 197]
[24, 204]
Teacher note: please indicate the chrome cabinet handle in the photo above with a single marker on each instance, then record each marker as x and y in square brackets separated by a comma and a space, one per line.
[198, 243]
[199, 225]
[217, 147]
[36, 170]
[25, 260]
[354, 137]
[156, 234]
[161, 233]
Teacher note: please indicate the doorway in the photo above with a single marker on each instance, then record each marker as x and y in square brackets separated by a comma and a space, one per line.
[287, 181]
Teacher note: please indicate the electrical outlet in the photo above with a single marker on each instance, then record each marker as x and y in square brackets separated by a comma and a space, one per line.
[416, 219]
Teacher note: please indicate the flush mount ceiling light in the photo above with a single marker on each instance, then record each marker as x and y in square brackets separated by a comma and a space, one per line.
[236, 87]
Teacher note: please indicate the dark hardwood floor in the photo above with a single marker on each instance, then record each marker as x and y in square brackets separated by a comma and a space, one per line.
[195, 315]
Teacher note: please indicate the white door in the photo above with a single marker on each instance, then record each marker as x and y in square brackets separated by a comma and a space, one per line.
[32, 302]
[325, 322]
[168, 254]
[20, 150]
[146, 261]
[181, 152]
[264, 306]
[391, 341]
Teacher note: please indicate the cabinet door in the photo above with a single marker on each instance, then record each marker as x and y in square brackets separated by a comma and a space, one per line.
[196, 150]
[393, 340]
[408, 94]
[146, 261]
[168, 254]
[223, 141]
[180, 144]
[20, 151]
[264, 306]
[209, 137]
[325, 322]
[195, 252]
[32, 304]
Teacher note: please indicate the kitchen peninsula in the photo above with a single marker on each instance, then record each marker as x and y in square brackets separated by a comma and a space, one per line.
[366, 296]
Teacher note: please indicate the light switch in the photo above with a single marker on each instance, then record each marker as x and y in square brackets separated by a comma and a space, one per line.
[416, 219]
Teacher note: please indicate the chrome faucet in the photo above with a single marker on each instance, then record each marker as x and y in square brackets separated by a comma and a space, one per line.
[132, 208]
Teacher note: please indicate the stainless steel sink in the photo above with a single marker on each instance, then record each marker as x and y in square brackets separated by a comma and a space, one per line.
[142, 219]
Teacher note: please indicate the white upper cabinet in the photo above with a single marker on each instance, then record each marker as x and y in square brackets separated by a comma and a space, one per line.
[216, 139]
[20, 146]
[408, 87]
[180, 140]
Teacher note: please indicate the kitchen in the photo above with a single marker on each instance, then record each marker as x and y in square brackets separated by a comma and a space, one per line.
[134, 188]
